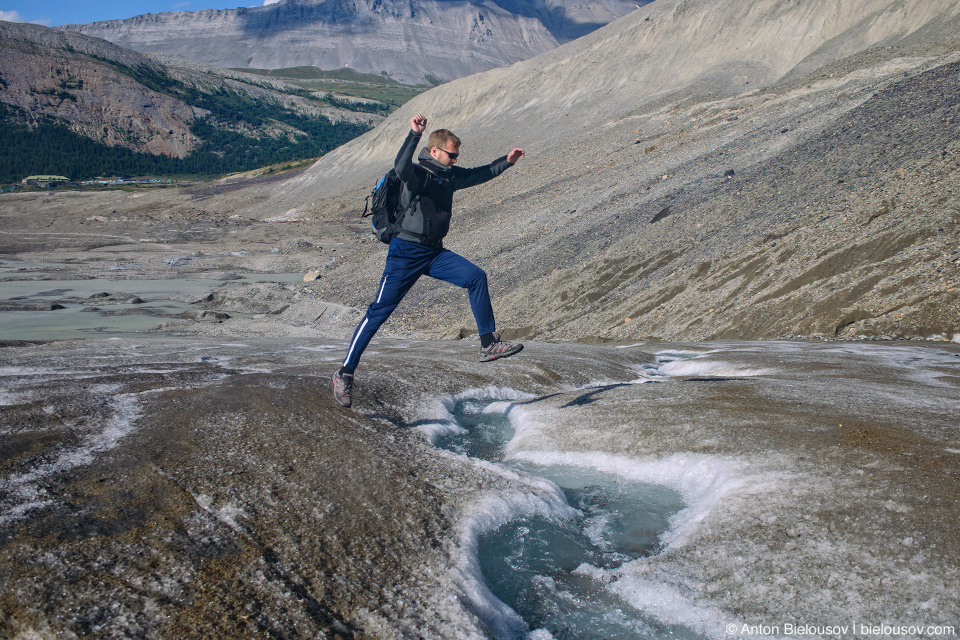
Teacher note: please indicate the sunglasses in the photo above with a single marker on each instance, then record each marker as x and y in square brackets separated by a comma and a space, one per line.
[452, 156]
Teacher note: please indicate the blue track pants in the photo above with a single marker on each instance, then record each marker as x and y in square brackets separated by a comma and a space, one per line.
[406, 262]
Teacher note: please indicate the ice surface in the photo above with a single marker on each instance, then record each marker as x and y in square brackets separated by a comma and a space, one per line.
[764, 521]
[700, 480]
[819, 479]
[21, 492]
[227, 514]
[8, 398]
[662, 601]
[689, 363]
[442, 422]
[709, 369]
[322, 348]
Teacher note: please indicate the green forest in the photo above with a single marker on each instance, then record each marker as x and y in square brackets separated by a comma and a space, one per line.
[51, 148]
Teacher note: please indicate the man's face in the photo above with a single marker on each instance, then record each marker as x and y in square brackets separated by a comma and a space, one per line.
[446, 155]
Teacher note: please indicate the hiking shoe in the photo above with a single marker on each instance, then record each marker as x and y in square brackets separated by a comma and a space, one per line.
[342, 386]
[499, 349]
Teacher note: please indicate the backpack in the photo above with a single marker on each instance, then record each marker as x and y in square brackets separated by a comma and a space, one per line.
[383, 204]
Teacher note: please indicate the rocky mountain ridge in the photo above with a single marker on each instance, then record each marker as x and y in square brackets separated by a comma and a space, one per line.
[415, 41]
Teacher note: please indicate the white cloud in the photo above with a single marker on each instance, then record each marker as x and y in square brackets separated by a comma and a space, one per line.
[266, 2]
[14, 16]
[181, 5]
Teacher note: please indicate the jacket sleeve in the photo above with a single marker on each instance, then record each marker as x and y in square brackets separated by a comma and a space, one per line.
[403, 165]
[464, 178]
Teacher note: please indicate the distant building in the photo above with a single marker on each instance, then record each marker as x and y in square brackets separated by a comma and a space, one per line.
[44, 181]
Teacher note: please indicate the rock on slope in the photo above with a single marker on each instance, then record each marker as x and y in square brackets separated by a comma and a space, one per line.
[697, 170]
[411, 41]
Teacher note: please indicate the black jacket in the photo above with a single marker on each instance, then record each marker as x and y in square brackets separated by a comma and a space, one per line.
[428, 222]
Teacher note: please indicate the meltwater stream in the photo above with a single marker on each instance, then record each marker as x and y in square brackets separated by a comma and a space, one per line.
[535, 564]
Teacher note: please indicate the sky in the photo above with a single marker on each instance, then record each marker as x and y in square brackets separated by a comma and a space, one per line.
[52, 13]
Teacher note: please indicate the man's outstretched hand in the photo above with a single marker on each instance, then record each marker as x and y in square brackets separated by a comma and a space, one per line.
[418, 123]
[515, 155]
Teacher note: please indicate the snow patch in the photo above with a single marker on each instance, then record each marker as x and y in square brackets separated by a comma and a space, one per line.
[664, 602]
[708, 369]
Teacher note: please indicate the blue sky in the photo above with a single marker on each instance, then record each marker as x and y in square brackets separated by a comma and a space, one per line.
[56, 12]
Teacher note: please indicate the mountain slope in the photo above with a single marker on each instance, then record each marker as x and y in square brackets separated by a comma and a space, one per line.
[413, 41]
[696, 170]
[61, 91]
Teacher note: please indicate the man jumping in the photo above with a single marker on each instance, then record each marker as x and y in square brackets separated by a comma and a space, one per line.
[417, 249]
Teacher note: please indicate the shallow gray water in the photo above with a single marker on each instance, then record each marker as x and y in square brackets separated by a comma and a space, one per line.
[84, 316]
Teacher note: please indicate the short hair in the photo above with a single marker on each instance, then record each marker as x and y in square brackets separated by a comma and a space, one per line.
[441, 137]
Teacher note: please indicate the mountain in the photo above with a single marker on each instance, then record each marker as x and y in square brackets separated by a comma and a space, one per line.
[695, 170]
[67, 99]
[411, 40]
[698, 170]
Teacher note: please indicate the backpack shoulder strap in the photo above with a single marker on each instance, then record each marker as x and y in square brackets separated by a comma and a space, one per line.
[424, 176]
